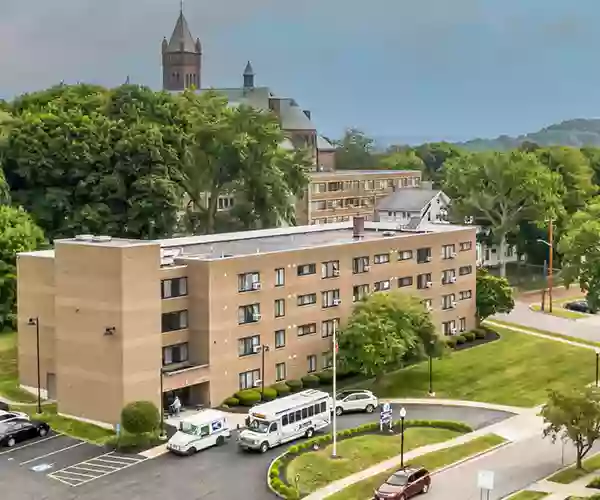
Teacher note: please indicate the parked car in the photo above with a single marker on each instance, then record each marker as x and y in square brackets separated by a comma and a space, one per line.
[4, 406]
[578, 305]
[404, 484]
[355, 400]
[12, 415]
[15, 431]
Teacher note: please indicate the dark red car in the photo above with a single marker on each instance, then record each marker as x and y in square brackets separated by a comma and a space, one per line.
[404, 484]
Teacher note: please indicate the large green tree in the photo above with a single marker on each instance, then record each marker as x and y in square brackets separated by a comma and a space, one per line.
[401, 160]
[493, 295]
[354, 151]
[434, 156]
[501, 190]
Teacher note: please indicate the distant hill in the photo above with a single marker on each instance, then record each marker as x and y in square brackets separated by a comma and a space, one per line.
[577, 133]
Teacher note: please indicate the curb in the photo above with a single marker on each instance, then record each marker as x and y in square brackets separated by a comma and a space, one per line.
[276, 493]
[515, 410]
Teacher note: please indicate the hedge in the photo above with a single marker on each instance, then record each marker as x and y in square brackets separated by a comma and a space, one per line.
[310, 381]
[248, 397]
[469, 336]
[460, 339]
[294, 385]
[231, 401]
[282, 388]
[140, 417]
[325, 377]
[451, 342]
[480, 333]
[269, 394]
[277, 467]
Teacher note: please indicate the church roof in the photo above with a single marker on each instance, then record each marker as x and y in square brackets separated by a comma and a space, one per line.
[181, 39]
[249, 71]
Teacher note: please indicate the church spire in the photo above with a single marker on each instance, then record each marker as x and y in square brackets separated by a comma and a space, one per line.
[249, 76]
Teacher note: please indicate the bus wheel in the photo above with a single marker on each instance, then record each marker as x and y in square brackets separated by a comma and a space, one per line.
[310, 433]
[220, 441]
[264, 447]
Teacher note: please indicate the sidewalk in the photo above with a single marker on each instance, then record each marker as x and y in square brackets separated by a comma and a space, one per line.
[517, 410]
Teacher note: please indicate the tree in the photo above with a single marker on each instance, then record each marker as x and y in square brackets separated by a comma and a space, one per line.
[573, 415]
[580, 249]
[354, 151]
[493, 295]
[401, 160]
[140, 417]
[384, 330]
[501, 190]
[434, 155]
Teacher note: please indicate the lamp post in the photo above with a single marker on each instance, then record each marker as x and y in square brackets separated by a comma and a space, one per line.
[36, 322]
[402, 417]
[263, 349]
[162, 403]
[597, 365]
[335, 348]
[550, 277]
[431, 347]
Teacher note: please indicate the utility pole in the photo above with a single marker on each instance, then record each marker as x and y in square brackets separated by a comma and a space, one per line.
[550, 259]
[335, 347]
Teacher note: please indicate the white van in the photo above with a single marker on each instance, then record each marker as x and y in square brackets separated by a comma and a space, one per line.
[199, 431]
[291, 417]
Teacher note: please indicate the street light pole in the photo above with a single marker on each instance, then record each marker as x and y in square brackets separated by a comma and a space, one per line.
[597, 366]
[263, 349]
[335, 347]
[162, 404]
[36, 322]
[550, 266]
[402, 417]
[431, 347]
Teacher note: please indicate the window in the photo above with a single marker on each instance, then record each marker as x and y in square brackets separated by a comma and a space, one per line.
[424, 281]
[318, 187]
[280, 276]
[448, 251]
[307, 329]
[465, 294]
[327, 358]
[306, 269]
[279, 308]
[176, 320]
[312, 363]
[465, 246]
[510, 251]
[448, 301]
[359, 292]
[448, 276]
[449, 327]
[248, 379]
[464, 270]
[248, 345]
[177, 353]
[330, 269]
[382, 258]
[328, 326]
[308, 299]
[279, 339]
[248, 282]
[174, 287]
[330, 298]
[360, 265]
[249, 314]
[405, 254]
[405, 281]
[428, 304]
[380, 286]
[462, 324]
[423, 255]
[280, 372]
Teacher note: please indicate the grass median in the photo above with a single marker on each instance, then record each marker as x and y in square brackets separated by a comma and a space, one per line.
[9, 377]
[559, 311]
[529, 495]
[435, 460]
[562, 336]
[571, 474]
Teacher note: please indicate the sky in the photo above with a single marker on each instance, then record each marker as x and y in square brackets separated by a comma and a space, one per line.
[408, 70]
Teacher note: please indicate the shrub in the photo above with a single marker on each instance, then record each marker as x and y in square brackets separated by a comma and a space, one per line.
[325, 377]
[451, 342]
[294, 385]
[480, 333]
[269, 394]
[460, 339]
[140, 417]
[310, 381]
[231, 402]
[282, 388]
[134, 443]
[248, 397]
[595, 483]
[469, 336]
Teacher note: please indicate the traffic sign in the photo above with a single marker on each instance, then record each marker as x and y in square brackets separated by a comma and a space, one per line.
[485, 480]
[386, 408]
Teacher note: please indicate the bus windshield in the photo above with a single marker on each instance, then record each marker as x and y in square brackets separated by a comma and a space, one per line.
[259, 426]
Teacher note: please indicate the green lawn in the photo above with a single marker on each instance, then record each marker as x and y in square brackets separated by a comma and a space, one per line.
[9, 380]
[529, 495]
[317, 469]
[435, 460]
[518, 370]
[570, 474]
[550, 334]
[559, 311]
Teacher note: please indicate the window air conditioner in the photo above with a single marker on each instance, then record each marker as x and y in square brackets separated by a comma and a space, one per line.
[429, 284]
[366, 267]
[335, 272]
[337, 302]
[453, 331]
[428, 258]
[453, 255]
[453, 305]
[256, 285]
[256, 316]
[452, 279]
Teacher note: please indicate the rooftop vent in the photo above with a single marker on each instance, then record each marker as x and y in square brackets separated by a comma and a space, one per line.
[84, 237]
[102, 238]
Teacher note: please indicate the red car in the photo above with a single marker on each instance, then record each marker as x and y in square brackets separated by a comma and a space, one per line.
[404, 484]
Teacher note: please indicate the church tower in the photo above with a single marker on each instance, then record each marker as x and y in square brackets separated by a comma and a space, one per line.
[181, 58]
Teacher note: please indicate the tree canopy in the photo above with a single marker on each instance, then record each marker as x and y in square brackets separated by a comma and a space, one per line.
[354, 151]
[493, 295]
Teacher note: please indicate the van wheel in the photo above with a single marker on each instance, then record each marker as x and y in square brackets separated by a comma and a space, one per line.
[369, 408]
[43, 431]
[192, 451]
[310, 432]
[339, 411]
[264, 447]
[220, 441]
[11, 442]
[425, 488]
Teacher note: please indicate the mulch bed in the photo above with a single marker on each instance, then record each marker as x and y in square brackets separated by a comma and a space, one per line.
[489, 337]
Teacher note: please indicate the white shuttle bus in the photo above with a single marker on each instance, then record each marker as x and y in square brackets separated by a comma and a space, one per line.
[199, 431]
[282, 420]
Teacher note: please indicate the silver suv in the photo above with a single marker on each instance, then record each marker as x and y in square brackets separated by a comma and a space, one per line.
[355, 400]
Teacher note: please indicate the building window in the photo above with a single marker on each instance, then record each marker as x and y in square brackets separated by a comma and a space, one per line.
[405, 281]
[312, 363]
[280, 372]
[318, 187]
[382, 258]
[424, 281]
[448, 251]
[380, 286]
[423, 255]
[448, 301]
[327, 358]
[428, 304]
[308, 299]
[405, 254]
[360, 292]
[510, 251]
[464, 270]
[465, 246]
[248, 282]
[330, 269]
[330, 298]
[280, 308]
[448, 276]
[279, 339]
[177, 353]
[329, 326]
[248, 380]
[174, 287]
[449, 327]
[465, 294]
[248, 345]
[307, 329]
[462, 324]
[176, 320]
[360, 265]
[249, 314]
[280, 276]
[307, 269]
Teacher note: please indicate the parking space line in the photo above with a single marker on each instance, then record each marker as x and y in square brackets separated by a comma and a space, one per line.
[90, 470]
[89, 462]
[53, 453]
[30, 444]
[114, 462]
[66, 481]
[113, 471]
[75, 474]
[107, 466]
[121, 457]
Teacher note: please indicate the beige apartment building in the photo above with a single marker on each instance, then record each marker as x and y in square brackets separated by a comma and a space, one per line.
[199, 313]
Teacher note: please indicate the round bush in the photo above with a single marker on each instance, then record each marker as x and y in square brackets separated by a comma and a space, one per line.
[451, 342]
[325, 377]
[310, 381]
[231, 402]
[269, 394]
[295, 385]
[480, 334]
[248, 397]
[140, 417]
[460, 339]
[282, 388]
[469, 336]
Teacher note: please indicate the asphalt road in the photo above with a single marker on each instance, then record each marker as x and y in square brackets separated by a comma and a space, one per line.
[215, 474]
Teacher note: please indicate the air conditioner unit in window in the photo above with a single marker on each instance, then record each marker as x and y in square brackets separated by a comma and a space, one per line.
[335, 272]
[429, 284]
[337, 302]
[453, 255]
[256, 285]
[452, 279]
[429, 307]
[256, 349]
[428, 258]
[453, 305]
[258, 381]
[453, 331]
[256, 316]
[366, 267]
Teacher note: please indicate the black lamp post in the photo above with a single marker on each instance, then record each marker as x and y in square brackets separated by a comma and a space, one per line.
[431, 348]
[402, 417]
[597, 365]
[263, 349]
[162, 404]
[36, 322]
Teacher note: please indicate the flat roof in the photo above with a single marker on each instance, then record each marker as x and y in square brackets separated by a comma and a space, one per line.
[354, 173]
[271, 408]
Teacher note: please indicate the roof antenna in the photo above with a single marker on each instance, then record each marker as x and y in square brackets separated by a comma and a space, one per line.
[181, 7]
